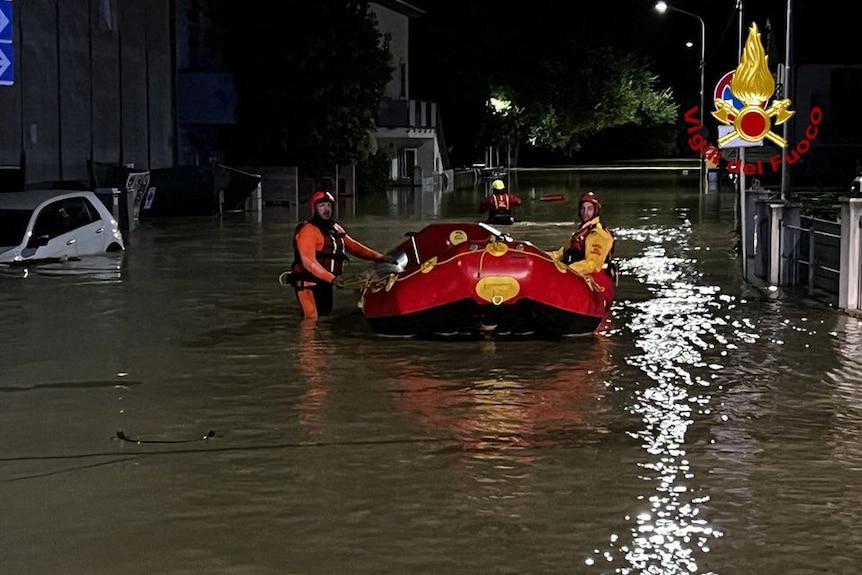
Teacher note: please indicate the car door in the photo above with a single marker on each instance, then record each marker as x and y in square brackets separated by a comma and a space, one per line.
[89, 231]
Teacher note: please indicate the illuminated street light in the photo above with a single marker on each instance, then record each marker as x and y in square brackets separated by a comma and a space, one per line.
[662, 7]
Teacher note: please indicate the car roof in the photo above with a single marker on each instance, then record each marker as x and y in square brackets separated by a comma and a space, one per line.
[31, 199]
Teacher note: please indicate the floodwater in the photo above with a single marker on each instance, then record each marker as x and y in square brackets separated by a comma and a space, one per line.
[165, 411]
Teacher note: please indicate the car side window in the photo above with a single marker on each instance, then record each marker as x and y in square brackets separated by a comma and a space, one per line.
[49, 222]
[64, 216]
[78, 212]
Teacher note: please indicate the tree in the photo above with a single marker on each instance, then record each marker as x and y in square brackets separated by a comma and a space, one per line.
[309, 85]
[568, 81]
[563, 103]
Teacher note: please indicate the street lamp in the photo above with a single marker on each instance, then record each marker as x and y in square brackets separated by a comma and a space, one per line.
[662, 7]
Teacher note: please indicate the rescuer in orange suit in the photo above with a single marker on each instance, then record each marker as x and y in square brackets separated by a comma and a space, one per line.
[499, 204]
[320, 247]
[591, 246]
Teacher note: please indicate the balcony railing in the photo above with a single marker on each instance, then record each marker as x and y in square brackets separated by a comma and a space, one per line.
[407, 114]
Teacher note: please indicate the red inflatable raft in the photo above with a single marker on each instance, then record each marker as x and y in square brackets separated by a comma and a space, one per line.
[469, 278]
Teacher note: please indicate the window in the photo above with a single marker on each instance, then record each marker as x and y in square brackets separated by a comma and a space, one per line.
[64, 216]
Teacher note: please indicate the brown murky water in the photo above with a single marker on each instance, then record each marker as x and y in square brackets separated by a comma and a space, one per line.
[710, 428]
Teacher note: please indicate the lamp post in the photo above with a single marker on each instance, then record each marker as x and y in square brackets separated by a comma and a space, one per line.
[661, 7]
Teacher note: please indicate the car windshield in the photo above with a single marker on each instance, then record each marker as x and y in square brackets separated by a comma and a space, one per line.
[13, 225]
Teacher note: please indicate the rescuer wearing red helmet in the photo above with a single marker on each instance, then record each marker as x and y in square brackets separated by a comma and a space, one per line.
[499, 204]
[591, 245]
[320, 247]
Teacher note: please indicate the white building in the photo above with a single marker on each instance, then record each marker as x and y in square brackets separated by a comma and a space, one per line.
[409, 131]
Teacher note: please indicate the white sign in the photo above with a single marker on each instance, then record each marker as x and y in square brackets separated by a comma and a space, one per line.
[736, 142]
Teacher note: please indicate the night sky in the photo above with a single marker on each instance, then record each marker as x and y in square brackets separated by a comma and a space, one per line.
[455, 43]
[815, 34]
[819, 29]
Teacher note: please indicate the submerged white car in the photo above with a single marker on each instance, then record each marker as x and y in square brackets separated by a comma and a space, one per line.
[51, 225]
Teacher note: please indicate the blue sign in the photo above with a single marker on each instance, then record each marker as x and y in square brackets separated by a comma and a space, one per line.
[7, 69]
[5, 21]
[7, 50]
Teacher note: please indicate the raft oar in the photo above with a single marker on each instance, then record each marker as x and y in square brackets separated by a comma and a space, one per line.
[552, 198]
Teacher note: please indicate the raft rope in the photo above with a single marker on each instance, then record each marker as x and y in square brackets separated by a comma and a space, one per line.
[380, 282]
[362, 281]
[357, 281]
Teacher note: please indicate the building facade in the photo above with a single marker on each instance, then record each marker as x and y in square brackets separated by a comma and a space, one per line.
[142, 83]
[94, 80]
[408, 131]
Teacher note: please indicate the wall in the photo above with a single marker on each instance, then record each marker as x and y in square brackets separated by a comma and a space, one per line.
[93, 80]
[836, 154]
[395, 26]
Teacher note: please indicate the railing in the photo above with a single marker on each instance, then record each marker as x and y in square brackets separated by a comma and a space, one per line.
[408, 114]
[818, 254]
[827, 253]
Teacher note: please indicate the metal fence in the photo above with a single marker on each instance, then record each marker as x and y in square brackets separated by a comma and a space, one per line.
[815, 251]
[822, 255]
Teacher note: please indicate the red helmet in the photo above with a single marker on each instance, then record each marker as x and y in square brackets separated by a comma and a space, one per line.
[593, 199]
[318, 197]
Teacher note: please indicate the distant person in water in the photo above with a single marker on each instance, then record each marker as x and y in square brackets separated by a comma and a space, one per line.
[591, 246]
[499, 204]
[320, 247]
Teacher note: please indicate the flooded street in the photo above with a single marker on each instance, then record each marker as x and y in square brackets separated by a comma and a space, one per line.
[709, 427]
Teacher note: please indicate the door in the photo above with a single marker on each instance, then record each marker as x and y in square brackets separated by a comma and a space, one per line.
[409, 163]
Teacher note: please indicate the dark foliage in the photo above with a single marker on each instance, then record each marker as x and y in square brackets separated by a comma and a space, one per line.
[310, 81]
[372, 173]
[573, 72]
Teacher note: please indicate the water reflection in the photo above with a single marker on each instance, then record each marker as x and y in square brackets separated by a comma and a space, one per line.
[504, 407]
[844, 379]
[98, 268]
[710, 428]
[671, 329]
[413, 203]
[315, 359]
[705, 357]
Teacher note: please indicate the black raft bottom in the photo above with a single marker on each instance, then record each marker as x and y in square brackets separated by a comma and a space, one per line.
[467, 319]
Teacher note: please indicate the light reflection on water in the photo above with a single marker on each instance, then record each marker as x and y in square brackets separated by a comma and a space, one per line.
[507, 407]
[708, 428]
[845, 379]
[672, 330]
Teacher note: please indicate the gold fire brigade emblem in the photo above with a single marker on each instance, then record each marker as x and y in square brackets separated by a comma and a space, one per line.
[752, 84]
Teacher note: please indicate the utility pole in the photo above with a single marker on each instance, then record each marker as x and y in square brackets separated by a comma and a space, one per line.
[743, 232]
[785, 93]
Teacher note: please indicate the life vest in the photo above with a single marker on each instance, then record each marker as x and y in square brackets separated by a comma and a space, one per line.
[500, 202]
[332, 256]
[500, 209]
[577, 247]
